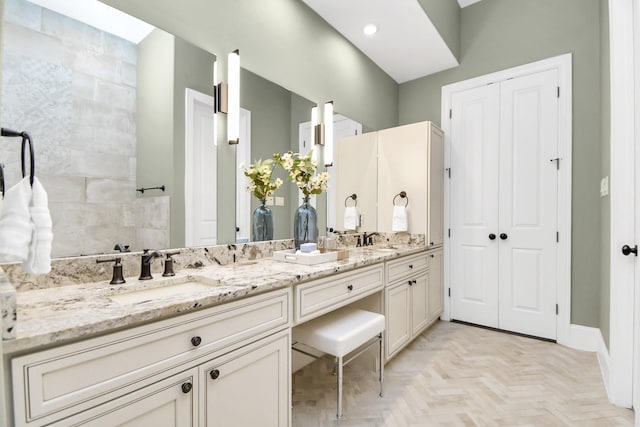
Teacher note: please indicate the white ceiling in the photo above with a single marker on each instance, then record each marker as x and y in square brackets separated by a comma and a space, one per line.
[407, 45]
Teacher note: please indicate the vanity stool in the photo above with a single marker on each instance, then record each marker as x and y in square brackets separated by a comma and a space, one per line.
[344, 332]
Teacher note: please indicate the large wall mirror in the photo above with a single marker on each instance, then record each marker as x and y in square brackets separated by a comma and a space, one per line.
[108, 118]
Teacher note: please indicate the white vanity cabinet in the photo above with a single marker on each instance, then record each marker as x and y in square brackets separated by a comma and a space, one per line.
[436, 285]
[76, 383]
[412, 299]
[170, 403]
[249, 387]
[411, 159]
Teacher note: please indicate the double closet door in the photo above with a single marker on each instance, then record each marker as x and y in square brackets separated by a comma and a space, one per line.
[504, 204]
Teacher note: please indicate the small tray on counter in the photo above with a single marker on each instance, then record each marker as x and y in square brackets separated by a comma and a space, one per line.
[325, 255]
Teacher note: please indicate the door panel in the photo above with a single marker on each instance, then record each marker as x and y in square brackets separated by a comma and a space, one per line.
[200, 166]
[528, 204]
[474, 196]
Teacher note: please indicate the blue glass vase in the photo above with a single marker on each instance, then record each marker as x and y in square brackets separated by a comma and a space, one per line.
[305, 224]
[262, 223]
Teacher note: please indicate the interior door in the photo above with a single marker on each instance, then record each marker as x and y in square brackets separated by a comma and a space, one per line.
[201, 217]
[528, 204]
[474, 200]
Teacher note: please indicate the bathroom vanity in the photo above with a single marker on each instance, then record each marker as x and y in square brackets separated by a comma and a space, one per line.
[184, 348]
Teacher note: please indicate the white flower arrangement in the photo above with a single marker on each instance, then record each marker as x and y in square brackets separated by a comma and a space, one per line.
[302, 172]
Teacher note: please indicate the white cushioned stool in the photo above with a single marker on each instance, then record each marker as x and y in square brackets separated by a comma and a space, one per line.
[339, 334]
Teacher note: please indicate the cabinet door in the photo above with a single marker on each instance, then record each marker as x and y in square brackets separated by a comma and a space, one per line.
[435, 197]
[419, 302]
[169, 402]
[250, 386]
[398, 317]
[356, 170]
[402, 166]
[436, 289]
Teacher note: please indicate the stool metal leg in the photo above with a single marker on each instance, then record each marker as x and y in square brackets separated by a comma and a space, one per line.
[381, 365]
[339, 413]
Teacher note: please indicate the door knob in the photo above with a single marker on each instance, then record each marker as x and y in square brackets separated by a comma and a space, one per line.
[626, 250]
[492, 236]
[195, 341]
[503, 236]
[214, 374]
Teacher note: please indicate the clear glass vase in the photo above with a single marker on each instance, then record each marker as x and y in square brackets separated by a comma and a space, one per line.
[262, 223]
[305, 224]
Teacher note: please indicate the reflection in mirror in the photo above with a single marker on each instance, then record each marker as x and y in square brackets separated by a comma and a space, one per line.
[84, 94]
[274, 116]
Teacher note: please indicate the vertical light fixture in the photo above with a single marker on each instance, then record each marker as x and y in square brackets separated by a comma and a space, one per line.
[233, 115]
[215, 101]
[328, 133]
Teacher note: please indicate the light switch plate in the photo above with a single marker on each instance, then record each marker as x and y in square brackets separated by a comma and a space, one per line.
[604, 186]
[279, 201]
[269, 201]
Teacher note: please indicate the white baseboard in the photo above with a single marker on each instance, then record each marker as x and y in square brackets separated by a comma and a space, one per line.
[603, 359]
[584, 338]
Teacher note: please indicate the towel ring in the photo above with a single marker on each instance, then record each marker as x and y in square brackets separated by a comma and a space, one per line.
[354, 197]
[26, 137]
[2, 179]
[402, 195]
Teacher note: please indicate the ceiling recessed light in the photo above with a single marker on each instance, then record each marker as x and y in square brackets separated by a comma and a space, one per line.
[370, 29]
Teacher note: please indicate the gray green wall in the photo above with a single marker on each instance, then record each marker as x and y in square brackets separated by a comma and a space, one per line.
[499, 34]
[283, 41]
[193, 68]
[167, 66]
[270, 106]
[605, 152]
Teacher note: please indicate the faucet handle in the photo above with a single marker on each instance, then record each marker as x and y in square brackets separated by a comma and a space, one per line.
[117, 277]
[168, 264]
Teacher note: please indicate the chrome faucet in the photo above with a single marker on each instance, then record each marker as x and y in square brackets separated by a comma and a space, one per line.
[145, 264]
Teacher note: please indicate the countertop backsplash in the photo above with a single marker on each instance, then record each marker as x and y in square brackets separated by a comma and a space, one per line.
[84, 270]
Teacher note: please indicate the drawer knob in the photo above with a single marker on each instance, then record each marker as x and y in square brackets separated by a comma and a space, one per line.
[186, 387]
[412, 282]
[410, 266]
[195, 341]
[432, 256]
[214, 374]
[350, 287]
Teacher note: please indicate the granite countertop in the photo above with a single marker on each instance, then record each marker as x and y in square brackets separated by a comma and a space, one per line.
[57, 315]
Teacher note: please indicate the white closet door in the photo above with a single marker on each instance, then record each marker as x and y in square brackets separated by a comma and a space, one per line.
[474, 199]
[528, 204]
[201, 220]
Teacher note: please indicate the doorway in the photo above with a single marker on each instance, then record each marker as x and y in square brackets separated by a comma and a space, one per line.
[507, 199]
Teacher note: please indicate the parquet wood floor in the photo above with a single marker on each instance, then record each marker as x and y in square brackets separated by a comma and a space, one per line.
[460, 375]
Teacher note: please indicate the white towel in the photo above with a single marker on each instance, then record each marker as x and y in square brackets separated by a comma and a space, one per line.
[351, 218]
[15, 223]
[39, 260]
[400, 221]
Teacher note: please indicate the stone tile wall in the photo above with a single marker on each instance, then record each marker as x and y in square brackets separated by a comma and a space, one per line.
[73, 87]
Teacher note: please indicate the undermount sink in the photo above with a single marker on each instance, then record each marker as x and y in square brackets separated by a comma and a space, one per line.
[163, 289]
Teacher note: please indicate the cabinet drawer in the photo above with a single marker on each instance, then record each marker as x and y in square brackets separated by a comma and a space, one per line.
[318, 297]
[67, 379]
[403, 267]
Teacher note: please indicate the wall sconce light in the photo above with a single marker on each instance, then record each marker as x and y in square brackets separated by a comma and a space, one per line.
[233, 96]
[328, 134]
